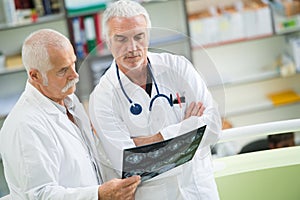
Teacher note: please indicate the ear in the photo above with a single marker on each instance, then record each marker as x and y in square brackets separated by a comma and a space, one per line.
[35, 75]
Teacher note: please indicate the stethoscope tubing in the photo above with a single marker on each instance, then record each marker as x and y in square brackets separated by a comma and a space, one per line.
[136, 108]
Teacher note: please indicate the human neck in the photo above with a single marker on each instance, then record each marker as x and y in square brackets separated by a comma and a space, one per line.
[139, 78]
[137, 75]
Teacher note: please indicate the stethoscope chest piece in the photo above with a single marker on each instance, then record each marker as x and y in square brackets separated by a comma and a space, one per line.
[136, 109]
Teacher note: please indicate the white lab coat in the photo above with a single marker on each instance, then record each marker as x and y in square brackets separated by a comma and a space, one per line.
[116, 126]
[44, 157]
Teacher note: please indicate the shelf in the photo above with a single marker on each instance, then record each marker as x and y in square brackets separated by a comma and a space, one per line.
[262, 76]
[242, 40]
[255, 107]
[81, 11]
[44, 19]
[287, 32]
[232, 41]
[267, 95]
[264, 104]
[259, 76]
[11, 70]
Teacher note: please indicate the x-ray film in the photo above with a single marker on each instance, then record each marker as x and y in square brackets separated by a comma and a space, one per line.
[151, 160]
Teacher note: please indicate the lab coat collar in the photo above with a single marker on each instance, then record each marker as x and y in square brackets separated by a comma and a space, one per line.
[68, 105]
[51, 109]
[44, 102]
[156, 64]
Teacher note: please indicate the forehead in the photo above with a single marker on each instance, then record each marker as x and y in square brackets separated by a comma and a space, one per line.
[61, 57]
[123, 25]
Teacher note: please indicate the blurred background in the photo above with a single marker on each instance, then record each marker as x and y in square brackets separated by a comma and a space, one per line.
[247, 51]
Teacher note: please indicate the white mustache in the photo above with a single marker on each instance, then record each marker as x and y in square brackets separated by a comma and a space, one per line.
[133, 54]
[70, 84]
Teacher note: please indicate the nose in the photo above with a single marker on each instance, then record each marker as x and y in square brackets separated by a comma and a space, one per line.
[131, 46]
[74, 73]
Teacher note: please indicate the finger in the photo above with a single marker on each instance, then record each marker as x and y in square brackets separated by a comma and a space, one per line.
[131, 180]
[133, 188]
[129, 190]
[196, 109]
[189, 110]
[201, 109]
[130, 183]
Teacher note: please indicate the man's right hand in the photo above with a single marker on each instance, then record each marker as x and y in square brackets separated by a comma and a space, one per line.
[116, 189]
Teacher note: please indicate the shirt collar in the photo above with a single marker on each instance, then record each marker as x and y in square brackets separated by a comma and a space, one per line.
[69, 104]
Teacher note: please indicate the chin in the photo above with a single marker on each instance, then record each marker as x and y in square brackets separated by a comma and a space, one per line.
[133, 65]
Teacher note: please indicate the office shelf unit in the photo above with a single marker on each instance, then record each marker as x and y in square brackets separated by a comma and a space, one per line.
[248, 73]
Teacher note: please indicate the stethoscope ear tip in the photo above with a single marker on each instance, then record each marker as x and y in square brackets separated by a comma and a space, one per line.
[136, 109]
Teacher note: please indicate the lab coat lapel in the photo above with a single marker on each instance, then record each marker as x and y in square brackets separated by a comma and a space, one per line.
[50, 110]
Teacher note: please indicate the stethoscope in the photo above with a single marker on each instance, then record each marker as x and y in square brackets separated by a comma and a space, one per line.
[136, 108]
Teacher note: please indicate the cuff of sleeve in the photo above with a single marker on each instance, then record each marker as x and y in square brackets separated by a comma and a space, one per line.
[90, 192]
[185, 126]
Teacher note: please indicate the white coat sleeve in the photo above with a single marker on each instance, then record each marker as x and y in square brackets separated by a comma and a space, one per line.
[36, 169]
[194, 88]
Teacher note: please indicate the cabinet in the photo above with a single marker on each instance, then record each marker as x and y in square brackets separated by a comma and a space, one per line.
[169, 33]
[245, 74]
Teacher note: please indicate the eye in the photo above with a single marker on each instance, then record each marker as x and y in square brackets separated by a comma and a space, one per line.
[139, 36]
[120, 38]
[62, 72]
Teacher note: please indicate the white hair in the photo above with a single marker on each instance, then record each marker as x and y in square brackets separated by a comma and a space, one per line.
[35, 48]
[123, 8]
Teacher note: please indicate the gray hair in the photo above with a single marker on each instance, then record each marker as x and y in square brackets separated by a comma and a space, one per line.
[35, 49]
[123, 8]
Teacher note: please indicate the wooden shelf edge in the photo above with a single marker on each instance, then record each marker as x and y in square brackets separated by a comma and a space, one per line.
[217, 44]
[44, 19]
[11, 70]
[255, 108]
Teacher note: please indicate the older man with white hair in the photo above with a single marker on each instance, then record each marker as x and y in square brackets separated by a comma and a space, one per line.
[46, 142]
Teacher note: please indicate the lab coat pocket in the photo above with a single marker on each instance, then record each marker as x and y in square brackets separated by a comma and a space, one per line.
[179, 110]
[152, 190]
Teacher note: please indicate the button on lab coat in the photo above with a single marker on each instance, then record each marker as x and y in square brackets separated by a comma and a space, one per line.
[43, 155]
[110, 114]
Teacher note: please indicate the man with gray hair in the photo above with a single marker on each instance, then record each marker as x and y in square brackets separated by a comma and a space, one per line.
[47, 143]
[147, 97]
